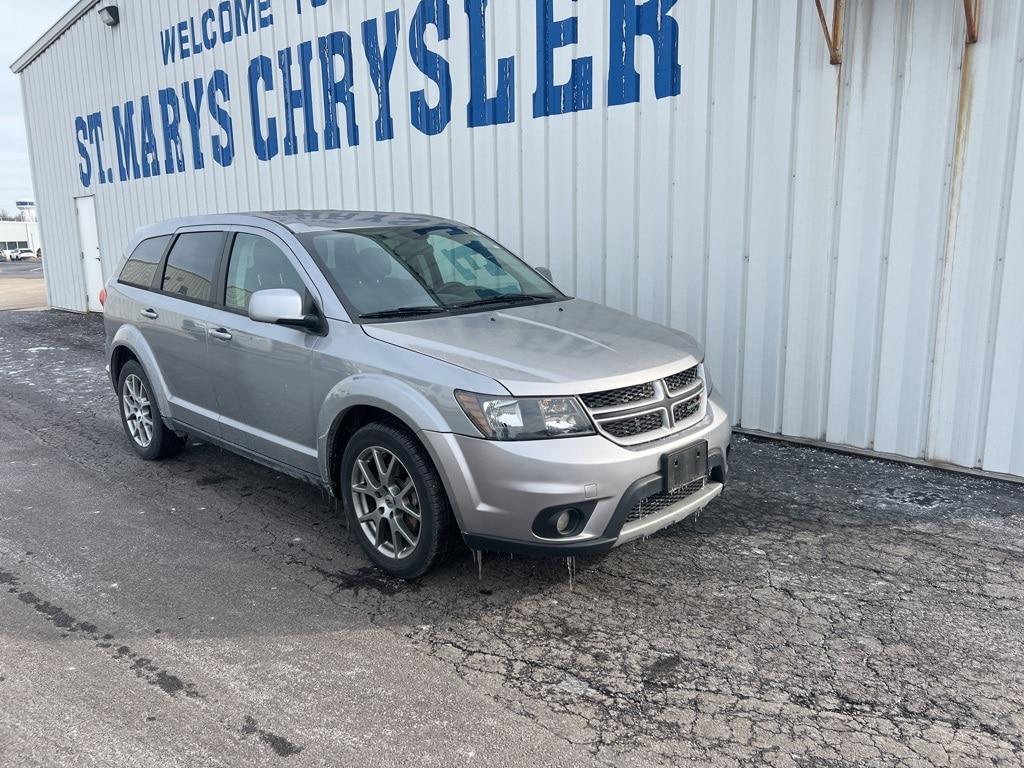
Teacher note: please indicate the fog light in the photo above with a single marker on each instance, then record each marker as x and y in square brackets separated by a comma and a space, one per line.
[562, 522]
[566, 521]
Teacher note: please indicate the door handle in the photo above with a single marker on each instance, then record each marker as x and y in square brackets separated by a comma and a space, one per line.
[220, 334]
[149, 314]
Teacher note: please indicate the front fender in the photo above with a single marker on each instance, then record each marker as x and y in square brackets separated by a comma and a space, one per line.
[401, 399]
[130, 337]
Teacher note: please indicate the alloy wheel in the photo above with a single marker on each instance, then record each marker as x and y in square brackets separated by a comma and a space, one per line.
[138, 412]
[386, 503]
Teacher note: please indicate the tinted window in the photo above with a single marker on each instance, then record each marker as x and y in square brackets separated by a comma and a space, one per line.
[470, 265]
[192, 265]
[374, 280]
[399, 268]
[141, 266]
[256, 265]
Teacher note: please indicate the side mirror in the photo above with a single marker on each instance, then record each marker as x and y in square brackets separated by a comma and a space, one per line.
[282, 306]
[545, 273]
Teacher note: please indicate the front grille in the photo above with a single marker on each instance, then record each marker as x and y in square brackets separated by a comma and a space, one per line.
[682, 380]
[686, 409]
[644, 413]
[634, 425]
[661, 501]
[624, 396]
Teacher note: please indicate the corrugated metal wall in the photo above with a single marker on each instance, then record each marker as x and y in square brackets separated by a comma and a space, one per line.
[848, 241]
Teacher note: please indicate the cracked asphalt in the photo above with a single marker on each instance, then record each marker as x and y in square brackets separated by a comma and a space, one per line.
[826, 611]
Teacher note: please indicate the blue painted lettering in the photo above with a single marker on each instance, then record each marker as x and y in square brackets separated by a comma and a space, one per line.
[184, 46]
[167, 40]
[266, 14]
[150, 153]
[245, 14]
[85, 164]
[124, 135]
[381, 67]
[224, 17]
[224, 142]
[193, 95]
[484, 110]
[628, 21]
[264, 141]
[427, 119]
[208, 23]
[337, 93]
[170, 119]
[95, 123]
[578, 93]
[301, 98]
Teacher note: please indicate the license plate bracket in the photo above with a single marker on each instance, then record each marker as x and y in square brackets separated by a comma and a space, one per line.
[682, 467]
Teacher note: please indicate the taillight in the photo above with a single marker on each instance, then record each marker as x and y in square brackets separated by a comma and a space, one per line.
[103, 297]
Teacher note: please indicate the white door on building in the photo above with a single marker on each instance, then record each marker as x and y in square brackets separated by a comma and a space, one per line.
[89, 243]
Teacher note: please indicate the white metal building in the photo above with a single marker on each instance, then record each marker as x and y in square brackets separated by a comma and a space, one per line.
[846, 239]
[19, 235]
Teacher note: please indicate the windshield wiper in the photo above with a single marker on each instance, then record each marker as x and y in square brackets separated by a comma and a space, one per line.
[510, 298]
[402, 312]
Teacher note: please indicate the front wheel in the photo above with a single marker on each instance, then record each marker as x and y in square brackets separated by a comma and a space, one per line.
[395, 500]
[140, 416]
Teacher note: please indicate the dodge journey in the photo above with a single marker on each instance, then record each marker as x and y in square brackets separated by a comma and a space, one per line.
[423, 375]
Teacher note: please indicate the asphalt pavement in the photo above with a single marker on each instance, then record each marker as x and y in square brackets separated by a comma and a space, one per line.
[25, 269]
[828, 610]
[21, 285]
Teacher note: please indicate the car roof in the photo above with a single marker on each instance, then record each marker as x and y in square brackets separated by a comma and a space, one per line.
[326, 220]
[302, 221]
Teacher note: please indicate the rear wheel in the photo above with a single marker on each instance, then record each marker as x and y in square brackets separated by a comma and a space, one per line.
[140, 416]
[395, 500]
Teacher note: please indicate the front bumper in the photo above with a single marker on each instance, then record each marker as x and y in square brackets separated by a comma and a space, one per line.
[497, 489]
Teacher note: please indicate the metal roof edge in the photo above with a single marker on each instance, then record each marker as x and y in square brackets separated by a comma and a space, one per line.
[64, 23]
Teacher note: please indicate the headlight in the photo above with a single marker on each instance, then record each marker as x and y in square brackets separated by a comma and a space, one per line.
[525, 418]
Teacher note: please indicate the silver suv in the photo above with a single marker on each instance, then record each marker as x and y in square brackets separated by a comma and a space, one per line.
[420, 373]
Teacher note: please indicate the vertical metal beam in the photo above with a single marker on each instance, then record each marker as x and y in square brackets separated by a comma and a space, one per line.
[971, 9]
[834, 37]
[838, 10]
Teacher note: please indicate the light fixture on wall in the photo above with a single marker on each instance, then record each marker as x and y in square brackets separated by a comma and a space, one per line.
[110, 16]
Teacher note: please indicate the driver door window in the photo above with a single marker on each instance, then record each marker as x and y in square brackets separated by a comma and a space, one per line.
[257, 264]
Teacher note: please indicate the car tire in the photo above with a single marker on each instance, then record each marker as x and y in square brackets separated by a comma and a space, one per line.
[140, 416]
[382, 517]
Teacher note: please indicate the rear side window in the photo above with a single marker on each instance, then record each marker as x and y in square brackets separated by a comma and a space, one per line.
[192, 265]
[140, 269]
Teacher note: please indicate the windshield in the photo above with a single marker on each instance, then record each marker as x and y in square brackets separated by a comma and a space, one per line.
[405, 271]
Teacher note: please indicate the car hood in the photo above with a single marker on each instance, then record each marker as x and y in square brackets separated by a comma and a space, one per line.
[568, 347]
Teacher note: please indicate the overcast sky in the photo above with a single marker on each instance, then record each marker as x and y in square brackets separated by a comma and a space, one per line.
[23, 23]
